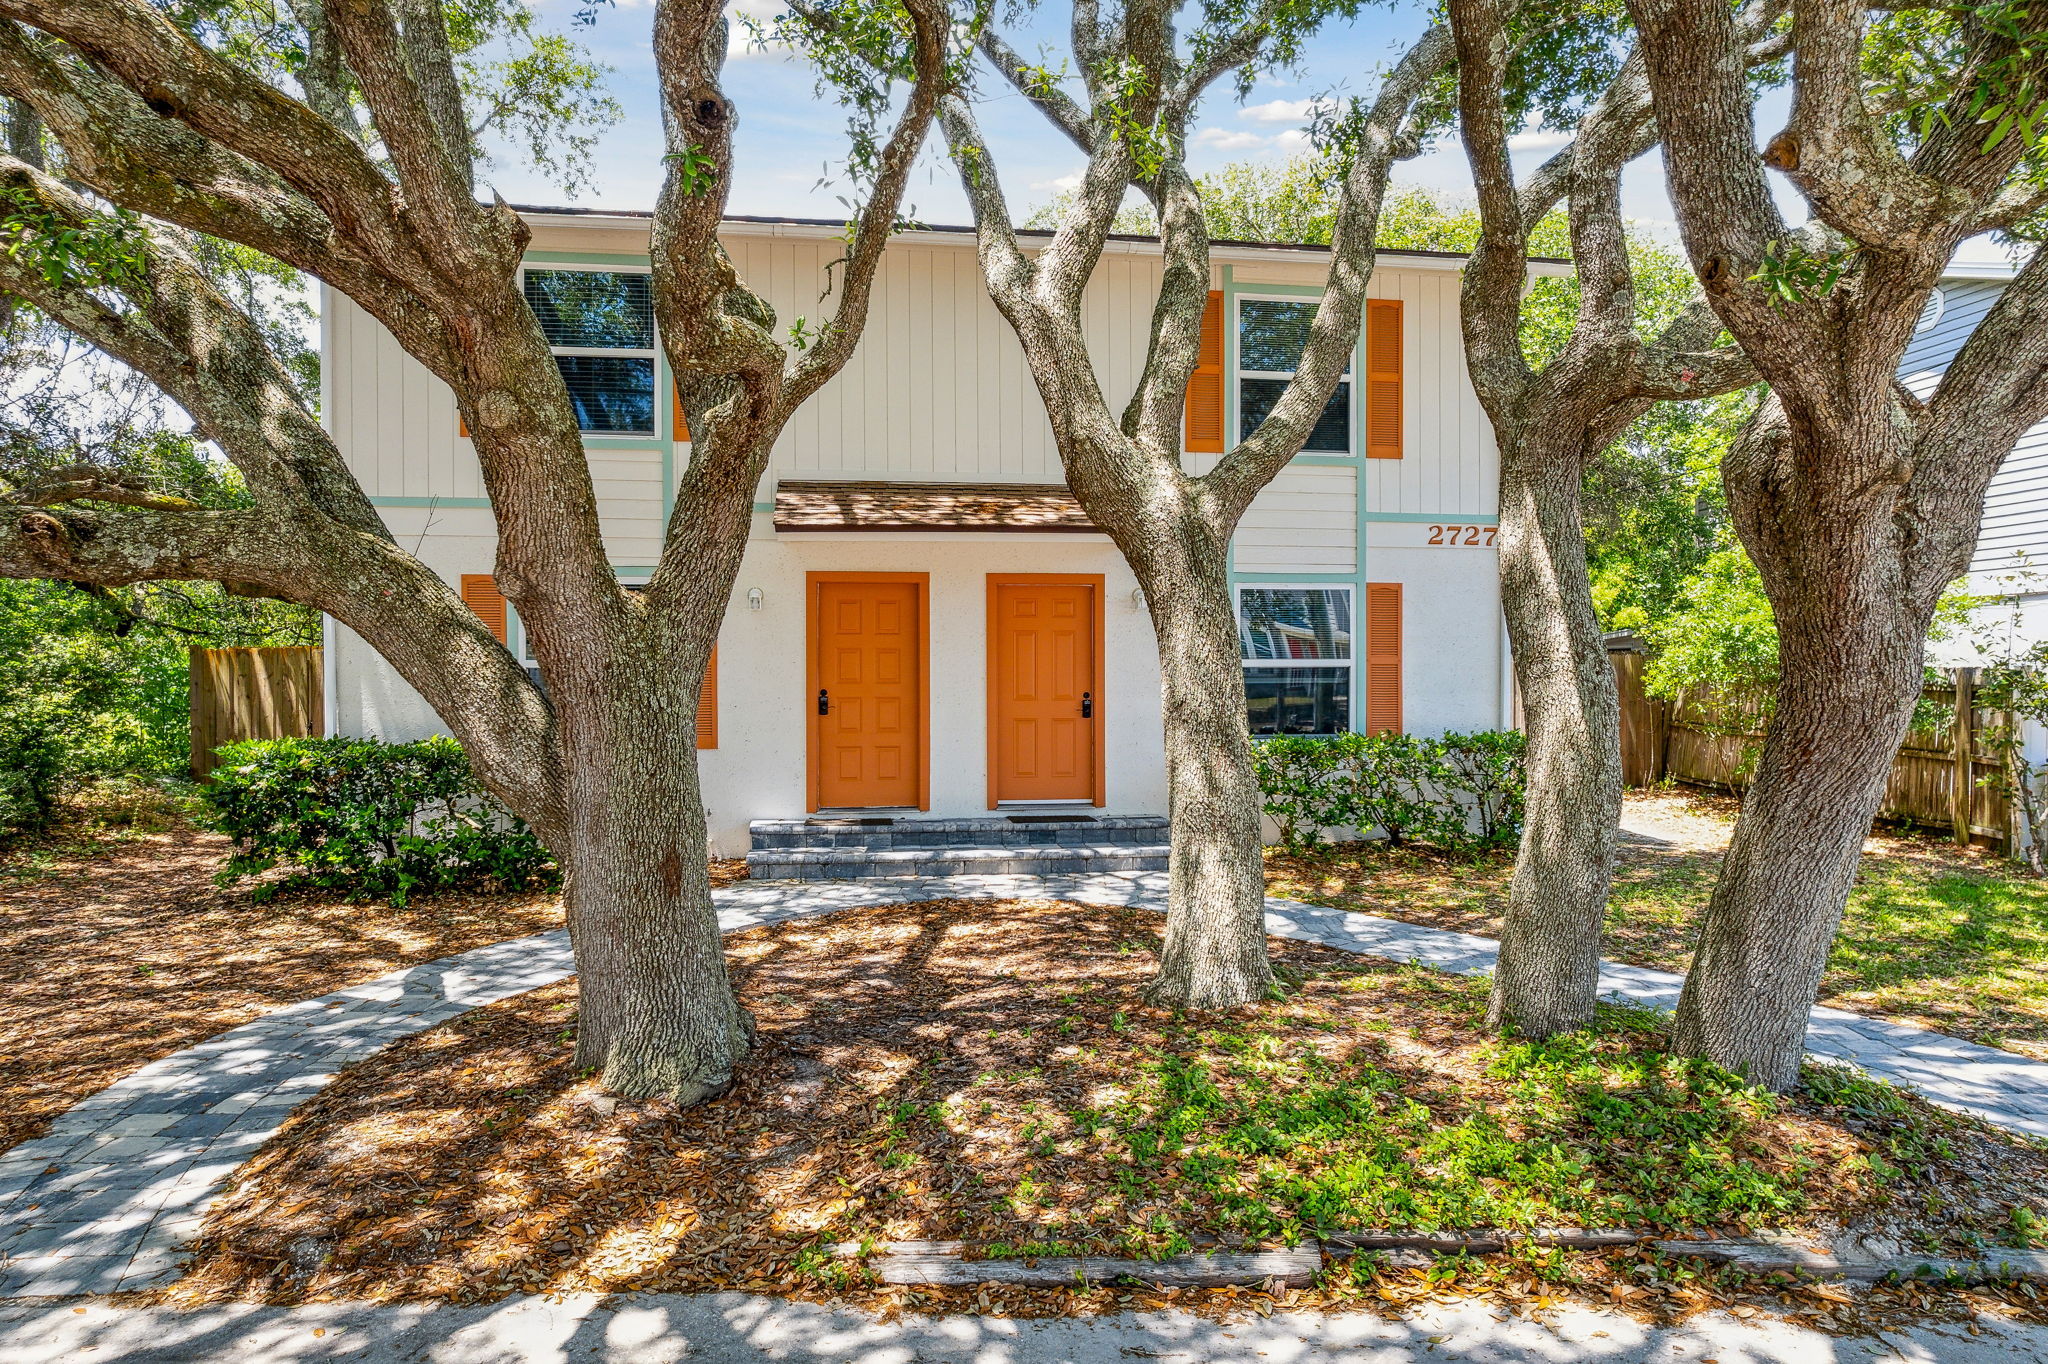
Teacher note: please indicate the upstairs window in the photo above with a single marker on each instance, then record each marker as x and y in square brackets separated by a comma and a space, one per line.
[1296, 646]
[1271, 336]
[600, 325]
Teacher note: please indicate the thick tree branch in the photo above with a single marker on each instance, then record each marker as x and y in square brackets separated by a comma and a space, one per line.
[202, 351]
[877, 218]
[156, 165]
[1834, 151]
[1333, 333]
[1698, 59]
[389, 598]
[1057, 105]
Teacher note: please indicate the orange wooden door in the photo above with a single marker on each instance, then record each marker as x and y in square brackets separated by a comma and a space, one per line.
[1045, 695]
[869, 710]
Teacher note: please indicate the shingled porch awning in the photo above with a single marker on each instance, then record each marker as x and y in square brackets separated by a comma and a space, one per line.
[861, 505]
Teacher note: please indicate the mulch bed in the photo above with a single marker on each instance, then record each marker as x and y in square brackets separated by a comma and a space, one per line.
[114, 952]
[929, 1072]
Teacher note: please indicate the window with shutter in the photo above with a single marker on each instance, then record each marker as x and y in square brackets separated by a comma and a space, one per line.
[1296, 647]
[1382, 658]
[1205, 385]
[1383, 378]
[1272, 333]
[480, 594]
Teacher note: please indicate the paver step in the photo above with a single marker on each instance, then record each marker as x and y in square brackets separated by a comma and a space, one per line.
[1043, 859]
[996, 831]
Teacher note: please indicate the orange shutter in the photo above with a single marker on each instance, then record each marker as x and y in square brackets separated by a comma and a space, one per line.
[480, 594]
[462, 426]
[1383, 378]
[1382, 657]
[707, 704]
[1205, 385]
[682, 429]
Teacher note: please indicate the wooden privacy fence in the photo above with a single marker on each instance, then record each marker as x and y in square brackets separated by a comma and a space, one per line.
[1713, 741]
[238, 694]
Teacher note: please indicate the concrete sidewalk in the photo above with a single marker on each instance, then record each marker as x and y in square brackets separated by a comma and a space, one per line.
[726, 1328]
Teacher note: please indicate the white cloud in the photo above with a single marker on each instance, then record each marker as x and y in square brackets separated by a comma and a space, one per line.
[1278, 111]
[1064, 185]
[1293, 142]
[1536, 140]
[1225, 139]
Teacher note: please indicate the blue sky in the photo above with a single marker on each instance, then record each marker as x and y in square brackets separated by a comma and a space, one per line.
[789, 139]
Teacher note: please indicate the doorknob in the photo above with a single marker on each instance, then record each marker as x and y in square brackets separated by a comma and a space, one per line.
[824, 702]
[1087, 705]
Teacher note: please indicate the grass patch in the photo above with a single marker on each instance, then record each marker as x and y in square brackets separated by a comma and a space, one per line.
[1933, 934]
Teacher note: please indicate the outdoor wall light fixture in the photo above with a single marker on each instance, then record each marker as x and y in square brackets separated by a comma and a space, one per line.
[754, 598]
[1137, 599]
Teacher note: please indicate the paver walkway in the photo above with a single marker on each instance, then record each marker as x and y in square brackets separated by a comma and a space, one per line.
[107, 1198]
[742, 1328]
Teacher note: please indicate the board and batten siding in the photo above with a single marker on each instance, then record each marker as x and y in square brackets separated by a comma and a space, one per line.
[1304, 521]
[937, 389]
[2015, 526]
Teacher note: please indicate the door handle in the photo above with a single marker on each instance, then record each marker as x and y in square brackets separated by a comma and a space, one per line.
[824, 702]
[1087, 705]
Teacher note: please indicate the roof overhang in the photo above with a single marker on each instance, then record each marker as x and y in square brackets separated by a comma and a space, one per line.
[838, 506]
[815, 229]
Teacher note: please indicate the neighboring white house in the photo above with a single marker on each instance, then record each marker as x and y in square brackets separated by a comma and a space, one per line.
[2012, 546]
[915, 557]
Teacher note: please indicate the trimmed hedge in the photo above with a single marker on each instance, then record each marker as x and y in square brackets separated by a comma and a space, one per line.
[367, 818]
[1460, 792]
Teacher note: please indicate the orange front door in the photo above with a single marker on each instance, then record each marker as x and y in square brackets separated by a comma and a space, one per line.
[867, 663]
[1045, 694]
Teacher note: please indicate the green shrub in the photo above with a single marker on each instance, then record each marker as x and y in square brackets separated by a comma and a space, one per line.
[32, 753]
[367, 818]
[1461, 792]
[1297, 779]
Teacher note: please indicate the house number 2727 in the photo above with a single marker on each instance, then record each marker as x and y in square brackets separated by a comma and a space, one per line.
[1462, 535]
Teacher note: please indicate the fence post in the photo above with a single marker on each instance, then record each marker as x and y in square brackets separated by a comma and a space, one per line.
[1962, 796]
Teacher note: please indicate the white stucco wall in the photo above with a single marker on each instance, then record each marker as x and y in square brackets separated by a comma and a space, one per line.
[758, 769]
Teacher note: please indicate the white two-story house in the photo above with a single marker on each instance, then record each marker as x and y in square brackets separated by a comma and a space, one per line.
[925, 620]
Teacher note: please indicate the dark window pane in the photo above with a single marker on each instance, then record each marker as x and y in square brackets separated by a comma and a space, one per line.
[1294, 622]
[610, 393]
[592, 308]
[1272, 335]
[1298, 700]
[1332, 433]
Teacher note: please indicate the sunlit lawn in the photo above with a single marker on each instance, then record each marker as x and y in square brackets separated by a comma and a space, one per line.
[1933, 934]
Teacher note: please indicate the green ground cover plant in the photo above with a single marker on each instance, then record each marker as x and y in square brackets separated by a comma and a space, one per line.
[1951, 938]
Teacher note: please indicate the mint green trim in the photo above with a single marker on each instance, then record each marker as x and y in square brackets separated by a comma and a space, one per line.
[764, 506]
[430, 501]
[1282, 290]
[1462, 518]
[587, 258]
[1355, 461]
[593, 442]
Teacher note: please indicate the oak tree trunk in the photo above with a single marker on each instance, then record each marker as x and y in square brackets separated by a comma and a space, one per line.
[1548, 975]
[1215, 953]
[1850, 639]
[656, 1010]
